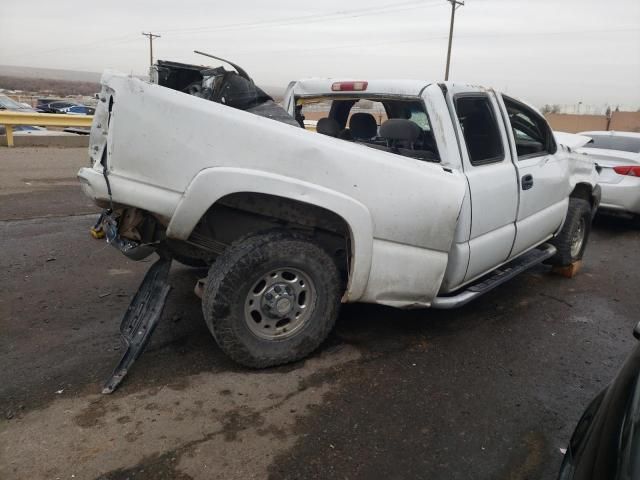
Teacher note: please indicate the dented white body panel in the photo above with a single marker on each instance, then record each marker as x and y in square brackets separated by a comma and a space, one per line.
[401, 212]
[410, 221]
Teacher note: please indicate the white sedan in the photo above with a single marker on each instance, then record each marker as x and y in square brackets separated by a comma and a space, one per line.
[618, 156]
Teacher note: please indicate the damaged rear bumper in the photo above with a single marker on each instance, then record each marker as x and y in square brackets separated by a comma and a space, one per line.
[130, 248]
[141, 318]
[128, 192]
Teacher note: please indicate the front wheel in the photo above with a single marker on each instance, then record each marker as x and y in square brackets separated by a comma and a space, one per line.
[272, 298]
[572, 239]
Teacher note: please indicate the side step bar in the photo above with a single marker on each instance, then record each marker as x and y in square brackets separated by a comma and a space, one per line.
[141, 318]
[495, 278]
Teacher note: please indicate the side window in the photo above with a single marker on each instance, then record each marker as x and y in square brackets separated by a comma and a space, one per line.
[532, 135]
[480, 129]
[416, 113]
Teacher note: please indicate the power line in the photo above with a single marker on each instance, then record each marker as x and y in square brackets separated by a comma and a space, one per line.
[454, 5]
[304, 19]
[343, 46]
[284, 21]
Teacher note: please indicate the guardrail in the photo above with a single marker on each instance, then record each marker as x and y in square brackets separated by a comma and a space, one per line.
[10, 119]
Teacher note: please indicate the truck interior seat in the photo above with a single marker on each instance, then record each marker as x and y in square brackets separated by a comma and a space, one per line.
[401, 137]
[399, 132]
[345, 134]
[363, 126]
[328, 126]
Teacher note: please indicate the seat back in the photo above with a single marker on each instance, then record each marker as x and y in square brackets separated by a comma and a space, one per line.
[328, 126]
[401, 136]
[399, 132]
[363, 126]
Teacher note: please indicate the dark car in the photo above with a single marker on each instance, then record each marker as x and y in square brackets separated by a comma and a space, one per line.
[606, 442]
[58, 106]
[79, 110]
[42, 104]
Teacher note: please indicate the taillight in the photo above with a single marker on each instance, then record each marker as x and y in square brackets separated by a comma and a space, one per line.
[632, 171]
[349, 86]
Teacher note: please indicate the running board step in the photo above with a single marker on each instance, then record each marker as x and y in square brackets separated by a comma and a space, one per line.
[497, 277]
[141, 318]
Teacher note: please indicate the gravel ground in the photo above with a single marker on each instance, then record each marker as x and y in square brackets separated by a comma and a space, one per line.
[490, 391]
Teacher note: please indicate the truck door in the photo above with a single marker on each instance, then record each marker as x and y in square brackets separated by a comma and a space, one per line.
[543, 175]
[491, 176]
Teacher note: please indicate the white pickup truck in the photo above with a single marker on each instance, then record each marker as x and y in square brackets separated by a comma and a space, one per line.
[410, 194]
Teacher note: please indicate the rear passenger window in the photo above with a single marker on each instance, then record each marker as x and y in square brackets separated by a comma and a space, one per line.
[531, 133]
[480, 129]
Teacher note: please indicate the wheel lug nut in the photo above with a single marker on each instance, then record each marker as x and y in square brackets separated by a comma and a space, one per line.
[268, 296]
[277, 289]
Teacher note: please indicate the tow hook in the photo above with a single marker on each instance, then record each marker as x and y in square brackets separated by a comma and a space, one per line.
[141, 318]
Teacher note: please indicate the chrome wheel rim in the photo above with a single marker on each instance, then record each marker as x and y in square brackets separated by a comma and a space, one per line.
[279, 303]
[577, 238]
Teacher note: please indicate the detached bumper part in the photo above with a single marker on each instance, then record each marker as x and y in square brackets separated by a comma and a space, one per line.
[141, 318]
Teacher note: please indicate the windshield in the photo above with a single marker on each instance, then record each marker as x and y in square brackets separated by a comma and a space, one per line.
[611, 142]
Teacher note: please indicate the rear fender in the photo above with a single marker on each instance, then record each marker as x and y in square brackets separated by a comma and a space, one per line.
[211, 184]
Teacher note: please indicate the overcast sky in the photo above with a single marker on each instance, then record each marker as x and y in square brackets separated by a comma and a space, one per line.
[546, 51]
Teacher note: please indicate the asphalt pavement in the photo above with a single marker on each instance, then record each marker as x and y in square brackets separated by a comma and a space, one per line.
[489, 391]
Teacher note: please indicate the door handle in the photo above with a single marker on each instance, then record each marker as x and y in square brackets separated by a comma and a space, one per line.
[527, 182]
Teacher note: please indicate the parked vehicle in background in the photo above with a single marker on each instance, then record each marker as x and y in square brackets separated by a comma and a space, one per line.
[42, 103]
[49, 105]
[79, 110]
[617, 155]
[606, 441]
[459, 190]
[8, 104]
[57, 106]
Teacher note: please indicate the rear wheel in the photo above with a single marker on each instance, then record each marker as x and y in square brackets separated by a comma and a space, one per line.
[572, 239]
[272, 298]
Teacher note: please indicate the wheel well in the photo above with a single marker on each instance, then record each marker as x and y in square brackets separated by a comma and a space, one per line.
[240, 214]
[584, 191]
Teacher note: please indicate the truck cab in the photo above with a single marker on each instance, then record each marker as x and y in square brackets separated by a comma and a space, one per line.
[518, 179]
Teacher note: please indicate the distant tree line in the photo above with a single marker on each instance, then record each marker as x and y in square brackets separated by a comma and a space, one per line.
[60, 88]
[550, 109]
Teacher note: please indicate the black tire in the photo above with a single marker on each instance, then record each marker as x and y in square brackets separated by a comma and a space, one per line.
[577, 225]
[232, 280]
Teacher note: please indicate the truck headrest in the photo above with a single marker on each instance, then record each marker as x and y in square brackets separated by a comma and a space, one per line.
[363, 126]
[328, 126]
[399, 129]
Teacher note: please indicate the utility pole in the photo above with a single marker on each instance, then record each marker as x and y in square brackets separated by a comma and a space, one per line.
[151, 37]
[454, 4]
